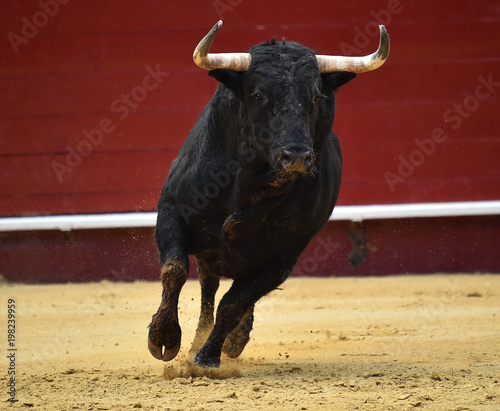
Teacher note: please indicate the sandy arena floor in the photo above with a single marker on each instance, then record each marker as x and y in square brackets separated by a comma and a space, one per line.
[410, 342]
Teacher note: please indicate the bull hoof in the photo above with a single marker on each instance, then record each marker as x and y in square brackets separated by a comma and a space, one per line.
[156, 351]
[208, 362]
[234, 345]
[164, 339]
[237, 339]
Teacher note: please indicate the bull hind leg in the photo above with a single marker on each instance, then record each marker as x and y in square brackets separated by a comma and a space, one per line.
[164, 338]
[239, 337]
[209, 285]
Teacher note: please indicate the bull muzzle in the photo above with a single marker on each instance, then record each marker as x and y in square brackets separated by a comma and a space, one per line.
[296, 160]
[326, 64]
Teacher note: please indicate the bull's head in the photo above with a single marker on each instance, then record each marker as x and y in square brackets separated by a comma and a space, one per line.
[287, 95]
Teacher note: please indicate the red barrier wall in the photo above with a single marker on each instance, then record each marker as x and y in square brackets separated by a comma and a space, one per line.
[453, 245]
[83, 70]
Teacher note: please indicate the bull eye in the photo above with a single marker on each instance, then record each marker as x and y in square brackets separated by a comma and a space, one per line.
[259, 96]
[318, 98]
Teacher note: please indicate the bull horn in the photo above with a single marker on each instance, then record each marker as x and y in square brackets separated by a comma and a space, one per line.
[331, 64]
[230, 61]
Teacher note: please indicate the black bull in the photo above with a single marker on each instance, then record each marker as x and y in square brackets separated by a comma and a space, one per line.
[255, 180]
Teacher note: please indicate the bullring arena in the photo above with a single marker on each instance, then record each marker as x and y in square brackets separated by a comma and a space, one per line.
[393, 305]
[398, 342]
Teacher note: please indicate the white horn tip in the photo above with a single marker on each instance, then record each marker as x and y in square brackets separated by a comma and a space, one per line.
[383, 31]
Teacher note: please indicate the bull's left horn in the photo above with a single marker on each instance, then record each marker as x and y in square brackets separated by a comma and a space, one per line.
[331, 64]
[230, 61]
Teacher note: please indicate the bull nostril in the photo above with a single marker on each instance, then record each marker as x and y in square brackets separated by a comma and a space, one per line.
[296, 159]
[286, 159]
[308, 159]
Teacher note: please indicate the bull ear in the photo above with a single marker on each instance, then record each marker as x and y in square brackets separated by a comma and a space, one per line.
[333, 81]
[233, 80]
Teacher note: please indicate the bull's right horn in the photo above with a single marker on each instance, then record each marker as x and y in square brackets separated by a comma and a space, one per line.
[331, 64]
[210, 61]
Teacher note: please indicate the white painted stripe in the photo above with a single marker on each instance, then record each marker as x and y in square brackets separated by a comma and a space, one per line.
[416, 210]
[78, 221]
[352, 213]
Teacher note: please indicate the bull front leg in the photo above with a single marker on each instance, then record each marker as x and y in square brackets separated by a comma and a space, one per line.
[238, 338]
[164, 338]
[235, 306]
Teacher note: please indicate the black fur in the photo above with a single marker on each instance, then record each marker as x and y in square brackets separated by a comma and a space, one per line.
[234, 202]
